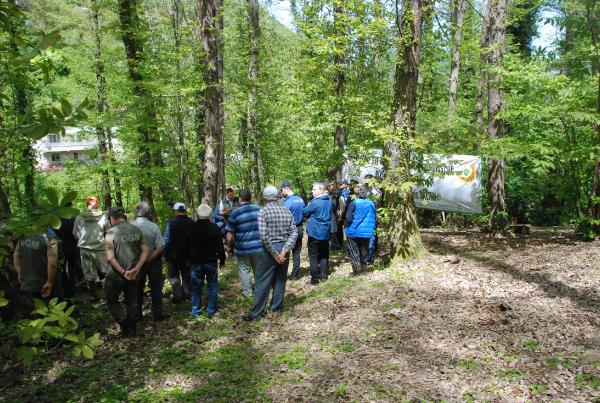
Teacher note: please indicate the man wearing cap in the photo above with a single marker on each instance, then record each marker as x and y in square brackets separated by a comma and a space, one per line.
[176, 250]
[295, 204]
[318, 227]
[278, 235]
[89, 230]
[153, 266]
[244, 238]
[205, 248]
[126, 251]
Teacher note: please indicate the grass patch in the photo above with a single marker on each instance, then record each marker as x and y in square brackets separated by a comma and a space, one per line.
[587, 381]
[537, 389]
[511, 374]
[531, 345]
[558, 362]
[468, 363]
[294, 359]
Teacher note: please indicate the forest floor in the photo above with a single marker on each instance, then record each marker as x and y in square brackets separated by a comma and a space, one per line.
[479, 319]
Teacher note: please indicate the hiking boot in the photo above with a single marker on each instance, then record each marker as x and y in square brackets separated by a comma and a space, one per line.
[248, 318]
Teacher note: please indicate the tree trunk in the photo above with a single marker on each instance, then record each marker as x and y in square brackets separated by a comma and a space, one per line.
[592, 20]
[19, 84]
[483, 45]
[256, 164]
[210, 37]
[458, 13]
[340, 133]
[146, 125]
[403, 229]
[178, 116]
[116, 179]
[101, 106]
[496, 180]
[5, 210]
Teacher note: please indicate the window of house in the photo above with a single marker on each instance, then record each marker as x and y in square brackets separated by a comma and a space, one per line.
[75, 156]
[55, 157]
[54, 138]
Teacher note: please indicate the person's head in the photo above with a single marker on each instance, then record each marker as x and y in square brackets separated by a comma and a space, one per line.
[343, 184]
[204, 212]
[245, 196]
[116, 215]
[229, 193]
[142, 209]
[286, 188]
[179, 208]
[332, 186]
[318, 188]
[270, 194]
[360, 191]
[92, 202]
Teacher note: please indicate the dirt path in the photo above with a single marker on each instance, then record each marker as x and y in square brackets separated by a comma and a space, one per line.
[513, 320]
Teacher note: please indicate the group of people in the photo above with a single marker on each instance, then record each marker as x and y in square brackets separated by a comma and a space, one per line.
[128, 253]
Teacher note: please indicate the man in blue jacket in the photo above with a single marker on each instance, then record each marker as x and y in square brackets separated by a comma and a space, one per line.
[318, 227]
[295, 204]
[361, 220]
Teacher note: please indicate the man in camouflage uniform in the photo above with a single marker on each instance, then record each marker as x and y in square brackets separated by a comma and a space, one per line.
[126, 251]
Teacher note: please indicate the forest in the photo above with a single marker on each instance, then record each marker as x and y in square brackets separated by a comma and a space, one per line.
[181, 99]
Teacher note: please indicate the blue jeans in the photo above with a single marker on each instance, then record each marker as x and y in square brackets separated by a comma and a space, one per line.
[372, 248]
[199, 272]
[153, 271]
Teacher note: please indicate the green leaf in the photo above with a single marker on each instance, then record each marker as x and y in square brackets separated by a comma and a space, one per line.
[66, 212]
[55, 221]
[68, 197]
[77, 351]
[87, 352]
[66, 107]
[27, 354]
[52, 196]
[94, 340]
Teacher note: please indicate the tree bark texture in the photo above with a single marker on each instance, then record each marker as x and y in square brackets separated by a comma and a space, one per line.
[403, 229]
[21, 107]
[496, 180]
[458, 14]
[483, 45]
[340, 139]
[5, 210]
[256, 164]
[101, 106]
[185, 185]
[210, 37]
[592, 20]
[146, 125]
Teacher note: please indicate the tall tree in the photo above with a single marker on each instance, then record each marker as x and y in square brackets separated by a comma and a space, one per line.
[496, 179]
[210, 37]
[458, 14]
[339, 79]
[592, 18]
[483, 49]
[146, 124]
[257, 175]
[403, 227]
[177, 17]
[101, 105]
[21, 100]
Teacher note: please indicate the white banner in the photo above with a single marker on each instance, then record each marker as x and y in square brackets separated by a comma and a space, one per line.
[456, 185]
[456, 181]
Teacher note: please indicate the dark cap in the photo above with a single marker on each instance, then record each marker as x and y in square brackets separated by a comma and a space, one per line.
[116, 212]
[285, 184]
[344, 182]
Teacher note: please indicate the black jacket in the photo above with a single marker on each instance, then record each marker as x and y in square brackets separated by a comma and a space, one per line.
[177, 245]
[205, 242]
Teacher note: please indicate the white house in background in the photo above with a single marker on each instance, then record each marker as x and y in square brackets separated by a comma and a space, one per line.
[54, 150]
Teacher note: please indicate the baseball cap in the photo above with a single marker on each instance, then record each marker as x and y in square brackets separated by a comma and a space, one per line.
[344, 182]
[285, 184]
[179, 206]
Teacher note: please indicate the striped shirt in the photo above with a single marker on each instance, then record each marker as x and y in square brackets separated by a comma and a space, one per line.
[243, 223]
[276, 225]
